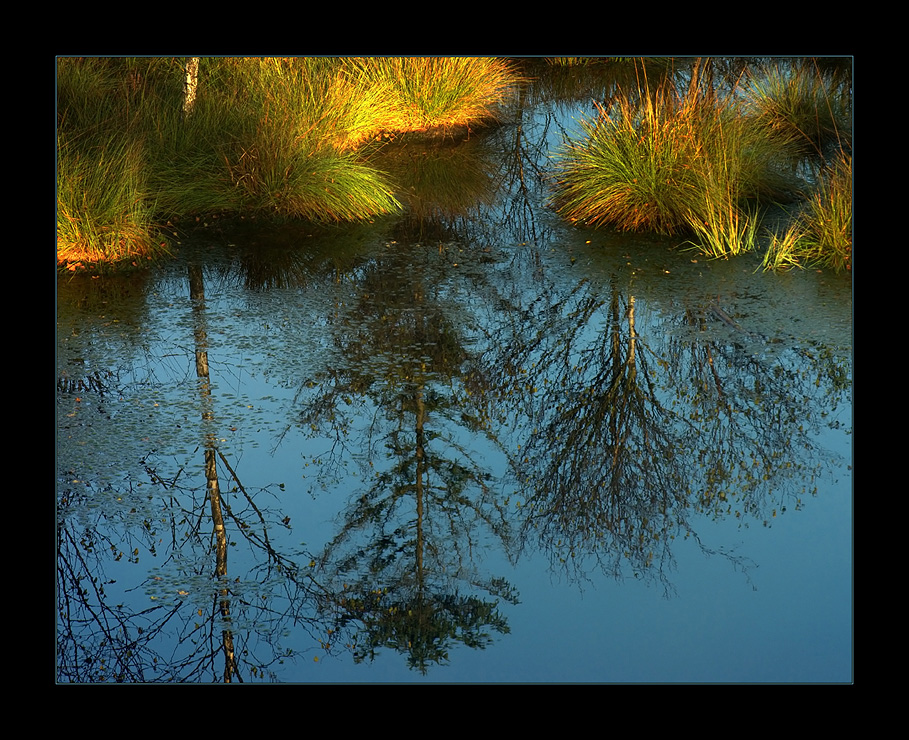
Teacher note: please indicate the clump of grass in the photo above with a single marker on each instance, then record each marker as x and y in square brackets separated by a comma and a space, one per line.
[105, 201]
[804, 104]
[287, 137]
[105, 205]
[274, 137]
[421, 93]
[671, 163]
[727, 231]
[584, 61]
[821, 235]
[103, 208]
[629, 170]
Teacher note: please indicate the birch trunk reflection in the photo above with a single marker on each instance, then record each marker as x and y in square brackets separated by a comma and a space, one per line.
[197, 296]
[600, 469]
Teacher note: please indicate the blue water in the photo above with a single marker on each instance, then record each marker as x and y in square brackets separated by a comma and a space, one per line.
[487, 447]
[757, 590]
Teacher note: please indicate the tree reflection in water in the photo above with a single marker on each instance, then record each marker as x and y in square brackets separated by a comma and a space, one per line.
[221, 628]
[479, 398]
[402, 566]
[632, 435]
[500, 407]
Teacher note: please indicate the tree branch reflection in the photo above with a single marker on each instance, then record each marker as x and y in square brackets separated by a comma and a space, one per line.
[623, 448]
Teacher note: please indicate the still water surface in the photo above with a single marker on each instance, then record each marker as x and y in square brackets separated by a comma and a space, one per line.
[491, 448]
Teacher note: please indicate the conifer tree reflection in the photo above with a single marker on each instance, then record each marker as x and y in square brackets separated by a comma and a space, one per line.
[403, 561]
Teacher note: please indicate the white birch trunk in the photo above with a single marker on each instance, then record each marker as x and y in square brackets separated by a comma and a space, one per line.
[190, 83]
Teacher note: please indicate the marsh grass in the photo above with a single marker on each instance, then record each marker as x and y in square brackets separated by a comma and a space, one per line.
[805, 103]
[727, 231]
[289, 138]
[422, 93]
[671, 163]
[105, 203]
[585, 61]
[821, 234]
[273, 137]
[629, 170]
[104, 209]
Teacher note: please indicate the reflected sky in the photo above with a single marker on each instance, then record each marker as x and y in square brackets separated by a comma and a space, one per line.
[471, 445]
[758, 589]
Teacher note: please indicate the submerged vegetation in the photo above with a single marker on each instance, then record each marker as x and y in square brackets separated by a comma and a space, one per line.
[702, 149]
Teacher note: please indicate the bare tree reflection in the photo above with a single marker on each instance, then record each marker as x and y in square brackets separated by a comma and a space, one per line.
[198, 623]
[471, 404]
[624, 448]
